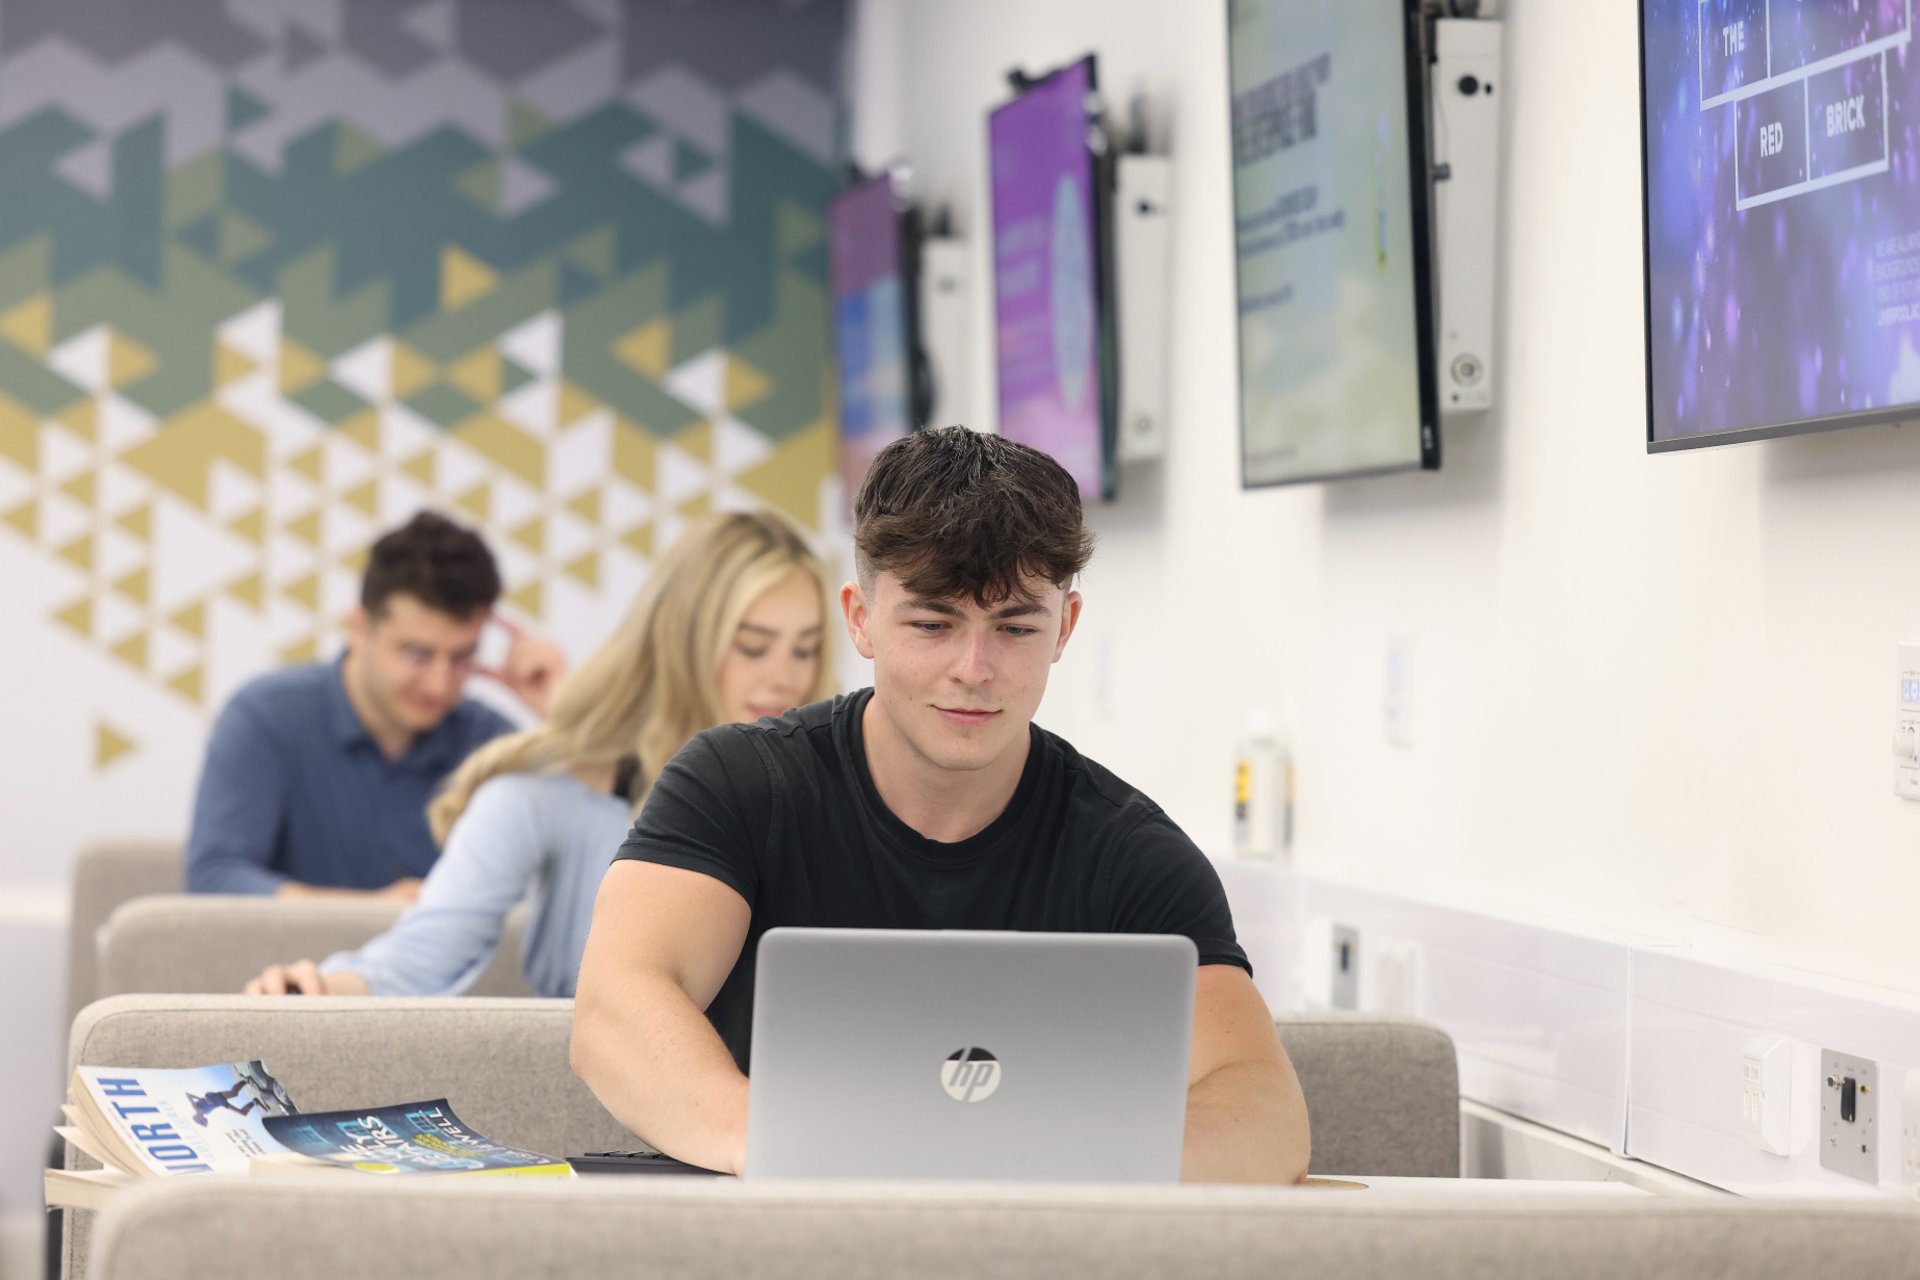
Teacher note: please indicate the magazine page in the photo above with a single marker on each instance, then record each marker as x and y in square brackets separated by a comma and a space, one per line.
[189, 1120]
[415, 1137]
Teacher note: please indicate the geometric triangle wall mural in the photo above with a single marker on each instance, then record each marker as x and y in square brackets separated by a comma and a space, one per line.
[271, 281]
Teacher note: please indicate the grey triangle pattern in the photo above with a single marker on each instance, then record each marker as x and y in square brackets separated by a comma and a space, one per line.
[90, 168]
[302, 47]
[707, 195]
[795, 110]
[521, 186]
[651, 161]
[692, 107]
[433, 24]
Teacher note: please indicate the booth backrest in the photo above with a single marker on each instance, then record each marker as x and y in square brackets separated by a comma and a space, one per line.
[213, 943]
[502, 1064]
[104, 876]
[322, 1227]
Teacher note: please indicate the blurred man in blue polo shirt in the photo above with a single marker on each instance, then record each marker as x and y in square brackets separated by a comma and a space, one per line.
[317, 777]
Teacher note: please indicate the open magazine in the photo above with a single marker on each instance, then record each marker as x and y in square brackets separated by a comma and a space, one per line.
[235, 1117]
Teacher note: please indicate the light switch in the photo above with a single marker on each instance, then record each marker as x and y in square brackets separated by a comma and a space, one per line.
[1906, 722]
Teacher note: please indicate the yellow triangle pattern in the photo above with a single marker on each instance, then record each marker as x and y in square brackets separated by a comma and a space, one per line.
[299, 367]
[29, 325]
[463, 278]
[478, 375]
[575, 404]
[530, 599]
[513, 449]
[79, 553]
[19, 435]
[789, 477]
[135, 586]
[421, 467]
[80, 488]
[78, 616]
[109, 744]
[306, 527]
[82, 417]
[745, 384]
[229, 366]
[364, 498]
[250, 591]
[697, 440]
[634, 455]
[363, 429]
[252, 526]
[640, 538]
[532, 535]
[586, 569]
[127, 361]
[133, 650]
[310, 463]
[192, 620]
[304, 591]
[300, 651]
[648, 349]
[476, 502]
[24, 519]
[412, 372]
[137, 521]
[586, 505]
[189, 684]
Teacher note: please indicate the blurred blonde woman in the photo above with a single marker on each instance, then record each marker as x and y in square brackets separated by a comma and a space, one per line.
[729, 627]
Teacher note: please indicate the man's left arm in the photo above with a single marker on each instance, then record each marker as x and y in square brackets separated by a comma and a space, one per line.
[1246, 1118]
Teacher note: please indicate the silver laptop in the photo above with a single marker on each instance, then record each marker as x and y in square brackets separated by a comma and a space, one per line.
[884, 1053]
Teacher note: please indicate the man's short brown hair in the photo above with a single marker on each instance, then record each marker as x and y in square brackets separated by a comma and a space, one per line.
[439, 563]
[956, 513]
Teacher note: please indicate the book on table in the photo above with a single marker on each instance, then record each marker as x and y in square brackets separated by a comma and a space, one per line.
[235, 1118]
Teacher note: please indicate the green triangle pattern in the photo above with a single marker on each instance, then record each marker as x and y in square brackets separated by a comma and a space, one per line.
[481, 184]
[525, 125]
[513, 375]
[353, 148]
[243, 109]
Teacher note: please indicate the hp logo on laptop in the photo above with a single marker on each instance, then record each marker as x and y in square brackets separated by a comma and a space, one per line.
[970, 1075]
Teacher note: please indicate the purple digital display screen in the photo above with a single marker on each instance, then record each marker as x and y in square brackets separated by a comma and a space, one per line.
[870, 325]
[1045, 271]
[1783, 214]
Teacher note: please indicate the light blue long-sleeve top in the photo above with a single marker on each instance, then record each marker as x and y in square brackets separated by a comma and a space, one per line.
[542, 839]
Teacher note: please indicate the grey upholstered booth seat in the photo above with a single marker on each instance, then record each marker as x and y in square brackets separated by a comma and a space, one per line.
[1381, 1092]
[326, 1226]
[213, 943]
[104, 876]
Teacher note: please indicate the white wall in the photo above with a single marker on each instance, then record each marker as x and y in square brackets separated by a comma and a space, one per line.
[1648, 693]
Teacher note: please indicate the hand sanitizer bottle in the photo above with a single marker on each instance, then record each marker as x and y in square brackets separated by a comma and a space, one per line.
[1262, 792]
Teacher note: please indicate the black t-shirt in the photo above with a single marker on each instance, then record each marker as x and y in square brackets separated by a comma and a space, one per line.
[785, 813]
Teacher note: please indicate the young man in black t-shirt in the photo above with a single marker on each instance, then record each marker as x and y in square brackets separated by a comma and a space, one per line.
[929, 801]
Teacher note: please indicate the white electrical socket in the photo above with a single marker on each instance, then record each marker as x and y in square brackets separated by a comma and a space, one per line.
[1766, 1093]
[1398, 704]
[1910, 1134]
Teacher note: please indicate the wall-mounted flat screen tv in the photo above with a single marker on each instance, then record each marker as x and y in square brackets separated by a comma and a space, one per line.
[1333, 241]
[873, 248]
[1054, 335]
[1782, 217]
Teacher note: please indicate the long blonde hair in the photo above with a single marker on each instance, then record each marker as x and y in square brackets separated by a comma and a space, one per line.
[653, 684]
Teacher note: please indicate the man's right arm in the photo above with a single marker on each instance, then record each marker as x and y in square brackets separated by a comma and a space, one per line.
[239, 809]
[238, 813]
[663, 941]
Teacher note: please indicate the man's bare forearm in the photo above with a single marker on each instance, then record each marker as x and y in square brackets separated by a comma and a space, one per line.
[657, 1064]
[1246, 1122]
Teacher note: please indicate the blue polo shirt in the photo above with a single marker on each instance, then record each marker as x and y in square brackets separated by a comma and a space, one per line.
[294, 788]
